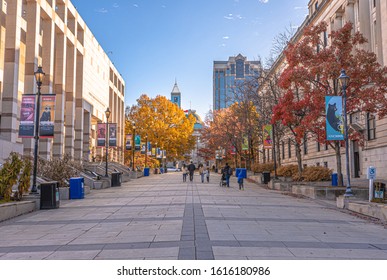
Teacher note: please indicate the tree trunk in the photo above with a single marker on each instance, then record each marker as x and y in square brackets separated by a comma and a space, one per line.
[338, 164]
[299, 160]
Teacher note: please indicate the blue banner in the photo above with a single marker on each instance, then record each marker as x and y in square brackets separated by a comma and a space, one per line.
[334, 117]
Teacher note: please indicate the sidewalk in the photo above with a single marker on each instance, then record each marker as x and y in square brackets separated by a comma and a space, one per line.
[160, 217]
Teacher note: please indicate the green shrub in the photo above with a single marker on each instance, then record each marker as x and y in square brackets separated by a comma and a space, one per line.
[261, 167]
[316, 173]
[9, 175]
[287, 170]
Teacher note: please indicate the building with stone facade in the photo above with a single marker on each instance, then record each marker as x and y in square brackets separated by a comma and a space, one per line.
[370, 18]
[51, 34]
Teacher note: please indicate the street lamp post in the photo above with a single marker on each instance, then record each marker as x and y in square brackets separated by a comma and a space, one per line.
[107, 114]
[39, 75]
[146, 150]
[134, 144]
[343, 80]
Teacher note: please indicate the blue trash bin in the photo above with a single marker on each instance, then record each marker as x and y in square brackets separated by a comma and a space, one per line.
[244, 172]
[237, 171]
[146, 171]
[334, 179]
[161, 170]
[76, 188]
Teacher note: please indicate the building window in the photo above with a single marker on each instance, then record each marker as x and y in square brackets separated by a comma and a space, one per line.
[325, 39]
[318, 146]
[325, 164]
[232, 69]
[371, 128]
[240, 69]
[326, 146]
[316, 6]
[283, 150]
[374, 3]
[289, 149]
[317, 164]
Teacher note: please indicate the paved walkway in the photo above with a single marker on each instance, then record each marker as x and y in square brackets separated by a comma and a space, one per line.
[160, 217]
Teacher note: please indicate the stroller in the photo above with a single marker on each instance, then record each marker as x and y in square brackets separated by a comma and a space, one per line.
[223, 182]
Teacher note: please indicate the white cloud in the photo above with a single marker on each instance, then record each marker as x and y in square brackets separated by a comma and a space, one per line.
[222, 45]
[232, 17]
[226, 37]
[102, 11]
[264, 1]
[301, 8]
[115, 5]
[135, 5]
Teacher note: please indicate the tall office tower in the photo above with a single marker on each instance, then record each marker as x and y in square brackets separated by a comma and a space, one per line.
[227, 75]
[176, 95]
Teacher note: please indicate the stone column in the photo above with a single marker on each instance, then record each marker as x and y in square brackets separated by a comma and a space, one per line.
[86, 136]
[79, 124]
[59, 90]
[48, 29]
[350, 12]
[13, 71]
[70, 100]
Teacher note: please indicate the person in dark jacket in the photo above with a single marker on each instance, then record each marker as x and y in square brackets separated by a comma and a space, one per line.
[191, 168]
[227, 171]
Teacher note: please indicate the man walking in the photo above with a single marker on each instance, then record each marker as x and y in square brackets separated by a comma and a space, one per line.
[227, 171]
[191, 169]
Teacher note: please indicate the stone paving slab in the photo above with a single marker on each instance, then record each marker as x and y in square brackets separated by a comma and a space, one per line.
[162, 218]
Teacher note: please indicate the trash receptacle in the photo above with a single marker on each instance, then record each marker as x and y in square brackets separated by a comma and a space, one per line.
[116, 179]
[76, 188]
[266, 177]
[335, 179]
[237, 171]
[161, 170]
[49, 195]
[244, 172]
[146, 171]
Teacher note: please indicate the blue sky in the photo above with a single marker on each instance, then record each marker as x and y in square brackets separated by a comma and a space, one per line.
[154, 42]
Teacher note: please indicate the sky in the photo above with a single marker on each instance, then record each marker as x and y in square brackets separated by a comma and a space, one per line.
[154, 43]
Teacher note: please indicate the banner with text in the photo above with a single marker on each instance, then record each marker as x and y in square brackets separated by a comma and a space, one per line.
[112, 134]
[128, 144]
[27, 116]
[334, 117]
[268, 136]
[101, 135]
[137, 142]
[47, 116]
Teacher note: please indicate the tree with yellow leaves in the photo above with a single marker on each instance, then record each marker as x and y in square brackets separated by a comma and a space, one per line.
[163, 123]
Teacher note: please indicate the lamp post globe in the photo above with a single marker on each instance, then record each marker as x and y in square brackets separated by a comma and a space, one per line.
[39, 76]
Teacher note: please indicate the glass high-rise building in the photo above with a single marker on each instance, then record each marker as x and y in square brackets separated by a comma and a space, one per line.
[227, 75]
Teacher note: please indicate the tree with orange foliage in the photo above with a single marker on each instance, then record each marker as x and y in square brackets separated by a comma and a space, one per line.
[313, 67]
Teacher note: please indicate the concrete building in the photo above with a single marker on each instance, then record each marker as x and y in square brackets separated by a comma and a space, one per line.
[51, 34]
[227, 75]
[370, 18]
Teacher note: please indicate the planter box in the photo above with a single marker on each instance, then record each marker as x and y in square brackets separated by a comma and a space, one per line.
[14, 209]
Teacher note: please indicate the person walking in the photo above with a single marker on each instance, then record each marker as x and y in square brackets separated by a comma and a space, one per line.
[185, 172]
[208, 174]
[201, 172]
[191, 168]
[227, 171]
[240, 181]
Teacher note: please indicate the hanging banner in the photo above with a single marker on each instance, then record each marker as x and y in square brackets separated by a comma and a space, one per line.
[46, 120]
[137, 142]
[112, 134]
[164, 154]
[153, 152]
[27, 116]
[268, 136]
[149, 149]
[128, 144]
[334, 117]
[158, 153]
[245, 143]
[101, 134]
